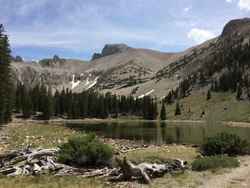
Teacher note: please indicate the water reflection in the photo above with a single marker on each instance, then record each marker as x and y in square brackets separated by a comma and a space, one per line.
[159, 133]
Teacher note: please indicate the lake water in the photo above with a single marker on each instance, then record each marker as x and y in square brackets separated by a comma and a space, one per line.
[159, 133]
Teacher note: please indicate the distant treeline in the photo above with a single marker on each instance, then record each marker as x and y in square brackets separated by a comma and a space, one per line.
[88, 104]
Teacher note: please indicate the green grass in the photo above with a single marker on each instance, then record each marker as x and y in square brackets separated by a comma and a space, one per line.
[169, 181]
[162, 154]
[214, 162]
[221, 107]
[45, 136]
[50, 182]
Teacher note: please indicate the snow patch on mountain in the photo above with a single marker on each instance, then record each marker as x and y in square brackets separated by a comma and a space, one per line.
[87, 81]
[74, 83]
[146, 94]
[93, 84]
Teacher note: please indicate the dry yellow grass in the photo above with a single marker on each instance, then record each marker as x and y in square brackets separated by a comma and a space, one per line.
[50, 182]
[163, 153]
[46, 136]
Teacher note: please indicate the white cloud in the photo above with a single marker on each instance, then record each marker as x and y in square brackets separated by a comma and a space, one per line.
[200, 35]
[187, 9]
[244, 4]
[229, 1]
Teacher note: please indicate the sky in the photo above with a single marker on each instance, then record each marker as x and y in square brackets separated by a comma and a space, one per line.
[77, 28]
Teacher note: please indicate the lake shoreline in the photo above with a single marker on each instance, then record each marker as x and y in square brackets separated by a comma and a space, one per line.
[59, 121]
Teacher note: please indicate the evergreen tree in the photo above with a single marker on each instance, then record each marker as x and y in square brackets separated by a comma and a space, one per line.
[57, 106]
[82, 105]
[116, 107]
[209, 95]
[163, 112]
[36, 99]
[6, 85]
[239, 92]
[177, 109]
[18, 101]
[62, 100]
[47, 103]
[202, 78]
[26, 102]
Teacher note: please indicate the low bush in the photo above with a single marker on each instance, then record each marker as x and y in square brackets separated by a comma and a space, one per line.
[214, 162]
[85, 150]
[225, 143]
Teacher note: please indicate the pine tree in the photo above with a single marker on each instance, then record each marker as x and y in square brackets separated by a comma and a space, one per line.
[209, 95]
[62, 100]
[18, 98]
[57, 106]
[50, 110]
[26, 102]
[177, 109]
[116, 107]
[35, 96]
[47, 103]
[163, 112]
[239, 92]
[6, 85]
[155, 109]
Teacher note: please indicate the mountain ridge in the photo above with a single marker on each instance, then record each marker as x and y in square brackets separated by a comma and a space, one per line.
[121, 69]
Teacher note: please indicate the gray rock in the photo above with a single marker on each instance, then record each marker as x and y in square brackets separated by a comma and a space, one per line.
[110, 49]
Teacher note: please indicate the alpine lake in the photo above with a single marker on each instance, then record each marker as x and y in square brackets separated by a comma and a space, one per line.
[158, 132]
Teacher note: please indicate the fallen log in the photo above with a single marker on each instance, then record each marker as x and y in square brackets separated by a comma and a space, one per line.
[28, 162]
[146, 171]
[43, 161]
[40, 153]
[98, 173]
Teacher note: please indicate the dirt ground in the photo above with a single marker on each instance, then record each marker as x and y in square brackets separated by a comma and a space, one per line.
[235, 178]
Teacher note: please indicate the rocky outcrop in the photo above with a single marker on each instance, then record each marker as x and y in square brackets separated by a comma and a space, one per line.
[55, 62]
[110, 49]
[17, 59]
[239, 26]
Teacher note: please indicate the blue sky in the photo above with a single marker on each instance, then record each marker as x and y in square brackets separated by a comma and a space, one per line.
[78, 28]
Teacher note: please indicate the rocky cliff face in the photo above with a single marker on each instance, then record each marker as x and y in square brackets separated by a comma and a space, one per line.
[124, 70]
[111, 49]
[240, 26]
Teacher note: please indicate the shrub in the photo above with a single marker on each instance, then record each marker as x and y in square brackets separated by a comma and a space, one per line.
[85, 150]
[225, 143]
[214, 162]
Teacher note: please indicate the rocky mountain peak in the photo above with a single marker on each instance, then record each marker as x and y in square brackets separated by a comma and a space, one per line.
[56, 61]
[238, 26]
[110, 49]
[17, 59]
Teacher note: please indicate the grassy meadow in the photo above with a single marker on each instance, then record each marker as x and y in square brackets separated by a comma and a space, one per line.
[221, 107]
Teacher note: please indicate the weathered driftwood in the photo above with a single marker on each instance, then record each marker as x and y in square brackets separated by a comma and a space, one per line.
[146, 171]
[28, 162]
[43, 161]
[105, 172]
